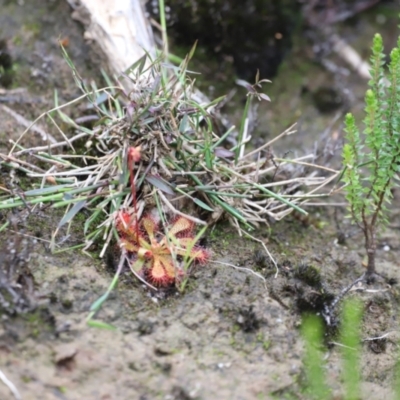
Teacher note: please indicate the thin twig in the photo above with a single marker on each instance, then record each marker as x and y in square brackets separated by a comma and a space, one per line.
[343, 345]
[266, 250]
[18, 161]
[327, 204]
[296, 161]
[31, 125]
[288, 132]
[52, 146]
[175, 211]
[61, 132]
[28, 124]
[30, 236]
[344, 292]
[379, 337]
[10, 385]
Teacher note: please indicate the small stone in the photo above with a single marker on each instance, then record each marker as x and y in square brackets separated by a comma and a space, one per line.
[64, 356]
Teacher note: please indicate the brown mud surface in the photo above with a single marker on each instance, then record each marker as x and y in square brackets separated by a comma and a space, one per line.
[232, 334]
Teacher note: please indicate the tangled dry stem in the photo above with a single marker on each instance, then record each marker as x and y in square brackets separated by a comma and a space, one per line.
[180, 161]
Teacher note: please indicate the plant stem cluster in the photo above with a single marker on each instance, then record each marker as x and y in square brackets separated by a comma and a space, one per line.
[371, 164]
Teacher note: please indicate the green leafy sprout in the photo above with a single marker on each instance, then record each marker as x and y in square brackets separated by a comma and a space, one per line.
[372, 164]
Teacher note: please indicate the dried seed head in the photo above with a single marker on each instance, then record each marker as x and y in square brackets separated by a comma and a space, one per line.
[134, 154]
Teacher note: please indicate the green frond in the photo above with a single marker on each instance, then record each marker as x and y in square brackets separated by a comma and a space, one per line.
[374, 127]
[393, 116]
[368, 173]
[352, 179]
[377, 82]
[353, 139]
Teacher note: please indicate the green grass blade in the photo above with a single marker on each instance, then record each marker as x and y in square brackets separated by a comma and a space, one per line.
[223, 137]
[71, 213]
[99, 302]
[47, 190]
[101, 325]
[203, 205]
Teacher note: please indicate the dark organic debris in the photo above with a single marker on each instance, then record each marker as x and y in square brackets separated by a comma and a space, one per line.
[309, 274]
[16, 280]
[304, 284]
[312, 294]
[327, 99]
[248, 320]
[6, 65]
[254, 36]
[378, 345]
[263, 263]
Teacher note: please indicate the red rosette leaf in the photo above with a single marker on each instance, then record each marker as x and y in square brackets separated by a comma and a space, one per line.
[181, 227]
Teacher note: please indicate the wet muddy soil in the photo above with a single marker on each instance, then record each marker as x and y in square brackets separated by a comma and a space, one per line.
[232, 334]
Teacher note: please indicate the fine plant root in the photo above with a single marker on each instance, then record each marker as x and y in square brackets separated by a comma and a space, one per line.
[245, 269]
[329, 311]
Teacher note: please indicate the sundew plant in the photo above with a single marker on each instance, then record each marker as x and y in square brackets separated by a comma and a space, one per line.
[372, 164]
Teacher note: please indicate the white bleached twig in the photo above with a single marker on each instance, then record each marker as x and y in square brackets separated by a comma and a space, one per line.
[10, 385]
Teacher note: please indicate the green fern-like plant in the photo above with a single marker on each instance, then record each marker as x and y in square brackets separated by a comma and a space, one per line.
[371, 164]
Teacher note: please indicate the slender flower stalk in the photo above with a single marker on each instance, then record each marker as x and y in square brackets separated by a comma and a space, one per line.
[134, 157]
